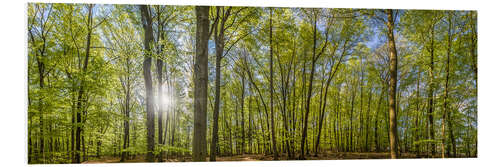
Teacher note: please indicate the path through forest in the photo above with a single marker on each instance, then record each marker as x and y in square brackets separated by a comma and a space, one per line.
[261, 157]
[115, 81]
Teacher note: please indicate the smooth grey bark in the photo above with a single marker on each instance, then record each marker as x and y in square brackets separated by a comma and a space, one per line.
[148, 39]
[201, 84]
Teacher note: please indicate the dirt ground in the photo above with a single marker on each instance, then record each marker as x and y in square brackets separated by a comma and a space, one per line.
[261, 157]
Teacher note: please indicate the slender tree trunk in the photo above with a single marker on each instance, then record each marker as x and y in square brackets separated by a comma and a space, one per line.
[159, 71]
[127, 120]
[275, 153]
[41, 71]
[417, 132]
[367, 134]
[293, 120]
[285, 78]
[41, 74]
[337, 123]
[250, 123]
[243, 114]
[73, 121]
[219, 50]
[446, 113]
[431, 96]
[351, 129]
[360, 117]
[322, 114]
[263, 103]
[331, 75]
[79, 106]
[84, 158]
[159, 66]
[377, 143]
[309, 92]
[215, 130]
[392, 86]
[473, 41]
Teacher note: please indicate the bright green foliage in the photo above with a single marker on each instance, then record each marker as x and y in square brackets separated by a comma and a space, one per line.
[355, 56]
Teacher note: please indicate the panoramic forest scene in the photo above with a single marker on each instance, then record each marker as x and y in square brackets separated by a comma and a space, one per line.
[160, 83]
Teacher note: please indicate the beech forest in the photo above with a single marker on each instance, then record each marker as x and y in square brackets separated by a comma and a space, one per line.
[160, 83]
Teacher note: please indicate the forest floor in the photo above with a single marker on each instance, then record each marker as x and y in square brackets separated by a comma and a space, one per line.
[261, 157]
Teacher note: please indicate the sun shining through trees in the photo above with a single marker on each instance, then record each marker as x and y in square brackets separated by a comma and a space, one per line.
[167, 99]
[157, 83]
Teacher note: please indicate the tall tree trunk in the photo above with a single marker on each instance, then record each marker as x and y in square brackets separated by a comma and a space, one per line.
[126, 122]
[159, 71]
[446, 113]
[263, 103]
[337, 122]
[148, 39]
[285, 80]
[264, 136]
[473, 40]
[73, 121]
[430, 96]
[41, 71]
[417, 132]
[250, 123]
[331, 74]
[84, 158]
[41, 76]
[360, 117]
[377, 143]
[79, 106]
[174, 126]
[392, 86]
[275, 153]
[219, 40]
[215, 130]
[201, 84]
[167, 124]
[367, 133]
[309, 92]
[242, 114]
[351, 113]
[159, 68]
